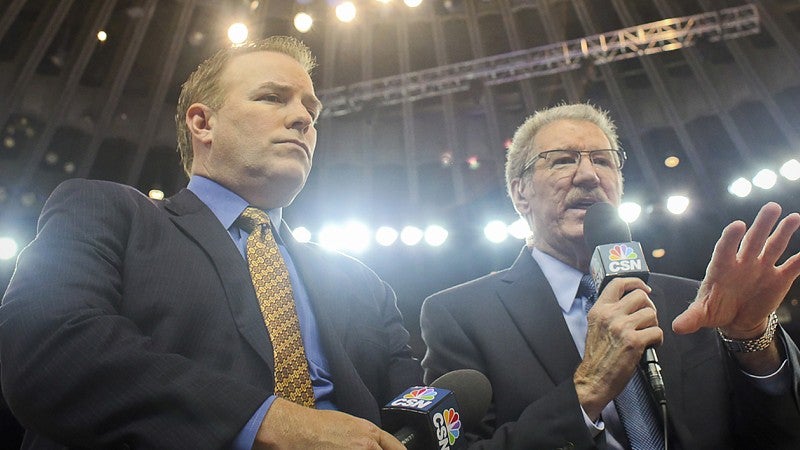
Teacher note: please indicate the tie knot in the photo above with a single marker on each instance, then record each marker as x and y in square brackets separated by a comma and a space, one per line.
[253, 217]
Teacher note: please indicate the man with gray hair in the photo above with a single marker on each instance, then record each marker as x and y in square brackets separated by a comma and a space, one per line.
[563, 361]
[198, 322]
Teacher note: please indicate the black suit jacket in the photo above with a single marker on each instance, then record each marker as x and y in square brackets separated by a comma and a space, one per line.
[132, 323]
[509, 326]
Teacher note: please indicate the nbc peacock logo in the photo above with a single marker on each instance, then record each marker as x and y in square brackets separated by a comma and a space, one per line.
[622, 252]
[425, 393]
[453, 424]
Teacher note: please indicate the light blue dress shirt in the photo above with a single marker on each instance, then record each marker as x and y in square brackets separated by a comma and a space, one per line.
[227, 207]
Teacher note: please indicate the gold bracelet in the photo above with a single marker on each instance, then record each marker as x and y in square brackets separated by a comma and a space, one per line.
[755, 344]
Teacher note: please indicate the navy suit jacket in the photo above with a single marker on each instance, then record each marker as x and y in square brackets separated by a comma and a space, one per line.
[509, 326]
[133, 323]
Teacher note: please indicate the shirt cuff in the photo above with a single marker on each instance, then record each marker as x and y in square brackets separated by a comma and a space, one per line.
[776, 383]
[245, 439]
[595, 428]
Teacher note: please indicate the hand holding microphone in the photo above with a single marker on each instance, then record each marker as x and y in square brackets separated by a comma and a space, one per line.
[629, 320]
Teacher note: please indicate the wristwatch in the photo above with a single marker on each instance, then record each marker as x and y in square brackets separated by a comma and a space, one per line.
[755, 344]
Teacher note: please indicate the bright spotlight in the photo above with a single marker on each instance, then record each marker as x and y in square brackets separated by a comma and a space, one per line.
[629, 211]
[303, 22]
[102, 36]
[386, 236]
[411, 235]
[8, 248]
[519, 229]
[741, 187]
[765, 179]
[356, 236]
[435, 235]
[237, 33]
[496, 231]
[677, 204]
[412, 3]
[331, 237]
[791, 170]
[346, 11]
[301, 234]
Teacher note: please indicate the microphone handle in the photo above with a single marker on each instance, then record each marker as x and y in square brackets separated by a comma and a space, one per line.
[407, 436]
[653, 371]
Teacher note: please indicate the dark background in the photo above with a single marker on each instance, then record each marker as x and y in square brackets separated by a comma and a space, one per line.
[727, 105]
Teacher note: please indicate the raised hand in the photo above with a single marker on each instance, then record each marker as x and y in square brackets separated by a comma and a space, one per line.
[743, 284]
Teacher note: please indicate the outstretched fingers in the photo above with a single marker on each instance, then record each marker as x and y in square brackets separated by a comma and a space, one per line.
[776, 244]
[727, 245]
[755, 238]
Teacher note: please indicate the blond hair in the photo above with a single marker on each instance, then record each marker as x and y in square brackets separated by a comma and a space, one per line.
[204, 86]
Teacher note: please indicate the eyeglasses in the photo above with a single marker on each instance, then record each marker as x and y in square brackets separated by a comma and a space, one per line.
[563, 160]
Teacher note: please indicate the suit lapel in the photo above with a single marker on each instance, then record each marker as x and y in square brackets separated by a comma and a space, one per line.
[324, 289]
[329, 299]
[199, 223]
[529, 299]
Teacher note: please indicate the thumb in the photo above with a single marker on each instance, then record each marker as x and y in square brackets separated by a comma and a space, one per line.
[690, 320]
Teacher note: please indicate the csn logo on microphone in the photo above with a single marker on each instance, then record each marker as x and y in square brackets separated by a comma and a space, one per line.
[624, 258]
[431, 408]
[618, 260]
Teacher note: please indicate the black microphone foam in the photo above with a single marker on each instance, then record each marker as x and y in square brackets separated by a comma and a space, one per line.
[614, 254]
[602, 225]
[473, 393]
[428, 417]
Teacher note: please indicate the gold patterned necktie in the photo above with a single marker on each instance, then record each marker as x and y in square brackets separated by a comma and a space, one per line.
[274, 293]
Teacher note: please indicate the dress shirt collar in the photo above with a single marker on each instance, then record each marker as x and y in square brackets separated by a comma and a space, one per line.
[563, 279]
[225, 204]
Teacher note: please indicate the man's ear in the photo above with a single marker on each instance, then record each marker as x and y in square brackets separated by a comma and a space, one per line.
[198, 119]
[517, 191]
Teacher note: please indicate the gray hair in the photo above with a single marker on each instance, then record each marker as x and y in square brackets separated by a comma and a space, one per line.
[521, 146]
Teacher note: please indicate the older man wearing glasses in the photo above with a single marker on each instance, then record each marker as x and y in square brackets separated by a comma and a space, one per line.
[563, 361]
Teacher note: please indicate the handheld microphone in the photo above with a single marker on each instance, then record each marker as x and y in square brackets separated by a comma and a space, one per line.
[429, 417]
[617, 255]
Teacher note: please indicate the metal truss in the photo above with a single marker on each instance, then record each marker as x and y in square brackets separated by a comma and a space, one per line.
[663, 35]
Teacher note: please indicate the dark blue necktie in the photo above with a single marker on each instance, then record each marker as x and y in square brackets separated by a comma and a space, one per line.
[633, 404]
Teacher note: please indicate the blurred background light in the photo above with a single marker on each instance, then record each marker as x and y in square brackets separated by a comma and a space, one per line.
[386, 236]
[8, 248]
[791, 170]
[629, 211]
[411, 235]
[435, 235]
[496, 231]
[346, 12]
[677, 204]
[303, 22]
[765, 179]
[302, 234]
[519, 229]
[741, 187]
[237, 33]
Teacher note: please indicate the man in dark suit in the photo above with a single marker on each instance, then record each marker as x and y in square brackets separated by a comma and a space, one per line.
[134, 323]
[563, 378]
